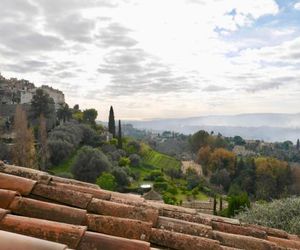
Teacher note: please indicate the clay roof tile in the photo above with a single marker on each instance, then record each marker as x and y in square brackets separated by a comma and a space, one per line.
[6, 197]
[16, 183]
[43, 229]
[49, 211]
[62, 195]
[14, 241]
[3, 213]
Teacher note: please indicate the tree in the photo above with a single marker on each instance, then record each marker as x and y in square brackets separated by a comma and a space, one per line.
[89, 164]
[23, 149]
[107, 181]
[42, 103]
[64, 113]
[120, 144]
[43, 152]
[111, 122]
[298, 145]
[199, 139]
[222, 158]
[76, 107]
[89, 116]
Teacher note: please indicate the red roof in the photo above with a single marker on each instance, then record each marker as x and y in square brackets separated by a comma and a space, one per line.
[61, 213]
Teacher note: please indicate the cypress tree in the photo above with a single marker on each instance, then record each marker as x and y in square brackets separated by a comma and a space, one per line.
[298, 144]
[120, 144]
[111, 122]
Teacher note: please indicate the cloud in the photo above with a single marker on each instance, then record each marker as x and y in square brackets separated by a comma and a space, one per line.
[214, 88]
[25, 66]
[297, 6]
[133, 71]
[73, 27]
[115, 35]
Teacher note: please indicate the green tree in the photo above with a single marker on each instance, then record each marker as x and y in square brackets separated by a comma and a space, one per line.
[89, 164]
[111, 122]
[64, 113]
[42, 103]
[120, 144]
[199, 139]
[89, 116]
[298, 144]
[107, 181]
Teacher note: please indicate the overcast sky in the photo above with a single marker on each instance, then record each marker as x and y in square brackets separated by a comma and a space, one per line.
[158, 58]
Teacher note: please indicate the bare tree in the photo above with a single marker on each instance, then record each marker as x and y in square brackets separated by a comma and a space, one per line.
[23, 150]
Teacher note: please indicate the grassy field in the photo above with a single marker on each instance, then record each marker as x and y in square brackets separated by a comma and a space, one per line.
[158, 160]
[64, 167]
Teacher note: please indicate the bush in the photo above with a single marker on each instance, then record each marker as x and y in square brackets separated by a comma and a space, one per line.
[90, 136]
[122, 178]
[59, 150]
[169, 198]
[134, 160]
[107, 181]
[237, 203]
[133, 147]
[161, 186]
[124, 161]
[89, 164]
[282, 214]
[153, 175]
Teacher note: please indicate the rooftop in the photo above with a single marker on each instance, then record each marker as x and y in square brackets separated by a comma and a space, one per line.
[41, 211]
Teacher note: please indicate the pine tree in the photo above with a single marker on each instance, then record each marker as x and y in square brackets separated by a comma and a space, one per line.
[111, 122]
[43, 152]
[120, 144]
[298, 144]
[24, 153]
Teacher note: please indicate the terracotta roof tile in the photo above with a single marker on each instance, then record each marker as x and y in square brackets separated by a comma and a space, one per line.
[239, 229]
[3, 213]
[6, 197]
[185, 227]
[62, 195]
[74, 182]
[243, 242]
[44, 210]
[15, 183]
[126, 228]
[97, 193]
[107, 242]
[12, 241]
[180, 241]
[43, 229]
[29, 173]
[272, 231]
[122, 210]
[285, 242]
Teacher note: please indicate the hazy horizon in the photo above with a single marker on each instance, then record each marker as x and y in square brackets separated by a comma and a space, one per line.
[158, 59]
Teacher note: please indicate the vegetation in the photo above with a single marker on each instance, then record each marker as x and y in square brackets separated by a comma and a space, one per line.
[282, 214]
[23, 151]
[107, 181]
[89, 164]
[111, 122]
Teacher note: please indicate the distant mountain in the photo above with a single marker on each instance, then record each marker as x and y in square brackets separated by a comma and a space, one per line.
[268, 127]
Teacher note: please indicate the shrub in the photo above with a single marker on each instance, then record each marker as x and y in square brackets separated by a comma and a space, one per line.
[59, 150]
[124, 161]
[134, 160]
[153, 175]
[237, 203]
[89, 164]
[121, 176]
[169, 198]
[107, 181]
[90, 136]
[160, 186]
[133, 147]
[282, 214]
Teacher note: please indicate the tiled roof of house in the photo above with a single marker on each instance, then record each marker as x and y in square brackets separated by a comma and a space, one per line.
[40, 211]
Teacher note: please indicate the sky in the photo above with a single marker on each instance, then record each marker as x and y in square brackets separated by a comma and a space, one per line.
[158, 58]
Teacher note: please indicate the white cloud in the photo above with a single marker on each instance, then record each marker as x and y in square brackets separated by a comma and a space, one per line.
[297, 6]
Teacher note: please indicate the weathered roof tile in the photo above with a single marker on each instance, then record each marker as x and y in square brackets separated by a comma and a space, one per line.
[98, 241]
[16, 183]
[180, 241]
[43, 229]
[6, 197]
[12, 241]
[44, 210]
[62, 195]
[126, 228]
